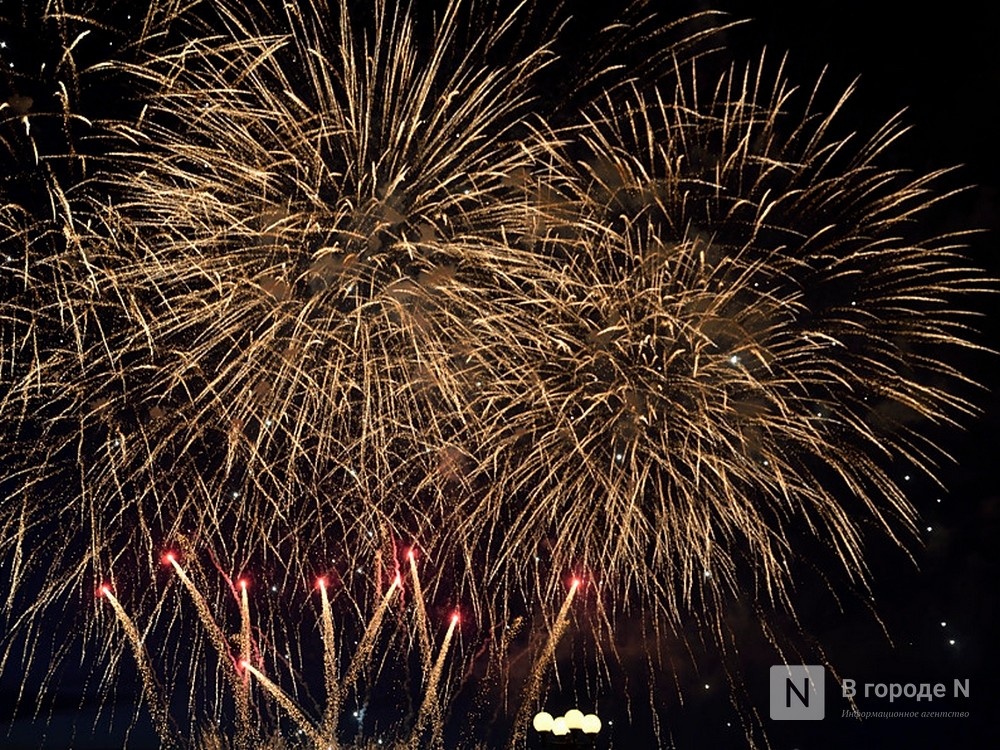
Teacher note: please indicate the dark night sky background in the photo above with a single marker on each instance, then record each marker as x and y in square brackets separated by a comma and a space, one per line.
[941, 63]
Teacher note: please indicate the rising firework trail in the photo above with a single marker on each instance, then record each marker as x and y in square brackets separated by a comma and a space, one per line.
[204, 610]
[150, 688]
[542, 663]
[430, 707]
[423, 627]
[363, 652]
[288, 704]
[330, 677]
[244, 726]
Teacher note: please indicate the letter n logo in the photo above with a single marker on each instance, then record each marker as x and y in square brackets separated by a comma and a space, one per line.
[797, 692]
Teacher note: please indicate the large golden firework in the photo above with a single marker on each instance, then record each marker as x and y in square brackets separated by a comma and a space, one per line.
[348, 277]
[741, 335]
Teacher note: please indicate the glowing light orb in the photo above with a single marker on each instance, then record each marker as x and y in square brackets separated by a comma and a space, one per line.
[591, 724]
[559, 728]
[574, 718]
[542, 722]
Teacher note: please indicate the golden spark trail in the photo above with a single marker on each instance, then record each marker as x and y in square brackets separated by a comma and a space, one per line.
[288, 704]
[149, 686]
[423, 629]
[244, 622]
[211, 626]
[430, 709]
[367, 640]
[530, 694]
[329, 724]
[244, 728]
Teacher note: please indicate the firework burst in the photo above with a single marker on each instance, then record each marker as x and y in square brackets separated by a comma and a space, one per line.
[351, 276]
[311, 259]
[742, 330]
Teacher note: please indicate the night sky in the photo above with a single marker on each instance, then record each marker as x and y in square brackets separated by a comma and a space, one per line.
[942, 65]
[933, 618]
